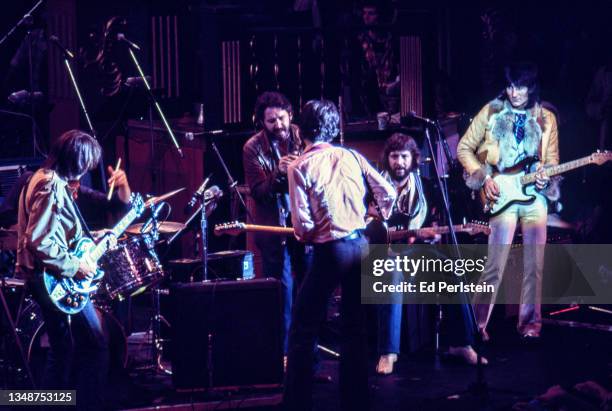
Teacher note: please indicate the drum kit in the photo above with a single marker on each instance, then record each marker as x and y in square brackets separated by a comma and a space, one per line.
[130, 269]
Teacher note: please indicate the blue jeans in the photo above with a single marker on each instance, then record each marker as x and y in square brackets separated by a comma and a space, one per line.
[78, 355]
[281, 263]
[457, 321]
[390, 320]
[335, 262]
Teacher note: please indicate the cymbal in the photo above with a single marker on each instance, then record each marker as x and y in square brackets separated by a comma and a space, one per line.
[8, 239]
[165, 227]
[154, 200]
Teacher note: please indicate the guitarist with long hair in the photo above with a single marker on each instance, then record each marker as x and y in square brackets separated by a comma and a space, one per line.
[48, 227]
[507, 131]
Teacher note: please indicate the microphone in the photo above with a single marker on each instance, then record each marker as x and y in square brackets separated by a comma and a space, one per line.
[121, 37]
[154, 213]
[212, 194]
[275, 149]
[67, 53]
[23, 97]
[198, 194]
[425, 120]
[137, 82]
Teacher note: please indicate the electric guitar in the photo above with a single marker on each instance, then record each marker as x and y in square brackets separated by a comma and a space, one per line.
[381, 232]
[516, 184]
[376, 231]
[70, 295]
[236, 228]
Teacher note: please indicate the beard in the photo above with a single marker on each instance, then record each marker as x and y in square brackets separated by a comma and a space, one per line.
[280, 134]
[399, 173]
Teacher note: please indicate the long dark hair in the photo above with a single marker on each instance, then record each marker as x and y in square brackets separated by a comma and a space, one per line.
[522, 74]
[74, 154]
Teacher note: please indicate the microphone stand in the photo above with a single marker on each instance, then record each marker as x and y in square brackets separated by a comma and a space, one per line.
[230, 180]
[478, 388]
[26, 20]
[77, 91]
[204, 238]
[23, 20]
[341, 110]
[156, 104]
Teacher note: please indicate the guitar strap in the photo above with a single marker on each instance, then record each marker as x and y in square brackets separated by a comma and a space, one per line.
[79, 215]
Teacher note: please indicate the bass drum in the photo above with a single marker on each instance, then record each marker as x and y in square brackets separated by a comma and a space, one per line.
[33, 335]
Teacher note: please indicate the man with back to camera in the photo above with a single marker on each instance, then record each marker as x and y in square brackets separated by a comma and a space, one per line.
[327, 187]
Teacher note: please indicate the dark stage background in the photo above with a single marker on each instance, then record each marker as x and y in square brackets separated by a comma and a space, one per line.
[219, 55]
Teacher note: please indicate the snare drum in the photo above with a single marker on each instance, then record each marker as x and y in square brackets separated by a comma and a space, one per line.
[131, 267]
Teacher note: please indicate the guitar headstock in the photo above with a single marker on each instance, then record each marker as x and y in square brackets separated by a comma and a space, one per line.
[137, 204]
[600, 157]
[477, 227]
[233, 228]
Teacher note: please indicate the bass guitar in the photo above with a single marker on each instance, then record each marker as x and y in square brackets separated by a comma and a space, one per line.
[516, 184]
[70, 295]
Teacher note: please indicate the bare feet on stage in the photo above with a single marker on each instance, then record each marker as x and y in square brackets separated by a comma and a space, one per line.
[466, 354]
[385, 364]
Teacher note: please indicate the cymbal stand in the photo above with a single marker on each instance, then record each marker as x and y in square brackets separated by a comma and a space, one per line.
[157, 319]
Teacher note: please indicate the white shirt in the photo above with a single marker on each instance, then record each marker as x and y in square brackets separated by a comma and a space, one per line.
[327, 191]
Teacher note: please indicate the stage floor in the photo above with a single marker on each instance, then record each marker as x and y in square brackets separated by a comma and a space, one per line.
[421, 381]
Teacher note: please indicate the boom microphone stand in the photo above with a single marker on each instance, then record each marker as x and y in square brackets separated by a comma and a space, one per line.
[151, 96]
[27, 20]
[68, 55]
[232, 184]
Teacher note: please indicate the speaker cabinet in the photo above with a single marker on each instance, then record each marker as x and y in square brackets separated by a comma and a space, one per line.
[226, 334]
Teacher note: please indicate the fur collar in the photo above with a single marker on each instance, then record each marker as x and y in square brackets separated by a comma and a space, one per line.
[501, 124]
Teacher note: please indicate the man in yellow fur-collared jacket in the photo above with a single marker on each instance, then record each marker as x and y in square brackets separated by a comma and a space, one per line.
[506, 131]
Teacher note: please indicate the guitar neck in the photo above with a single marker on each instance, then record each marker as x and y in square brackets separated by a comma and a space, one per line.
[560, 169]
[424, 232]
[117, 230]
[267, 229]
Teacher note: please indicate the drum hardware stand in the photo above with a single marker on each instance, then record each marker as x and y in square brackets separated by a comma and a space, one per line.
[11, 324]
[157, 319]
[209, 206]
[204, 238]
